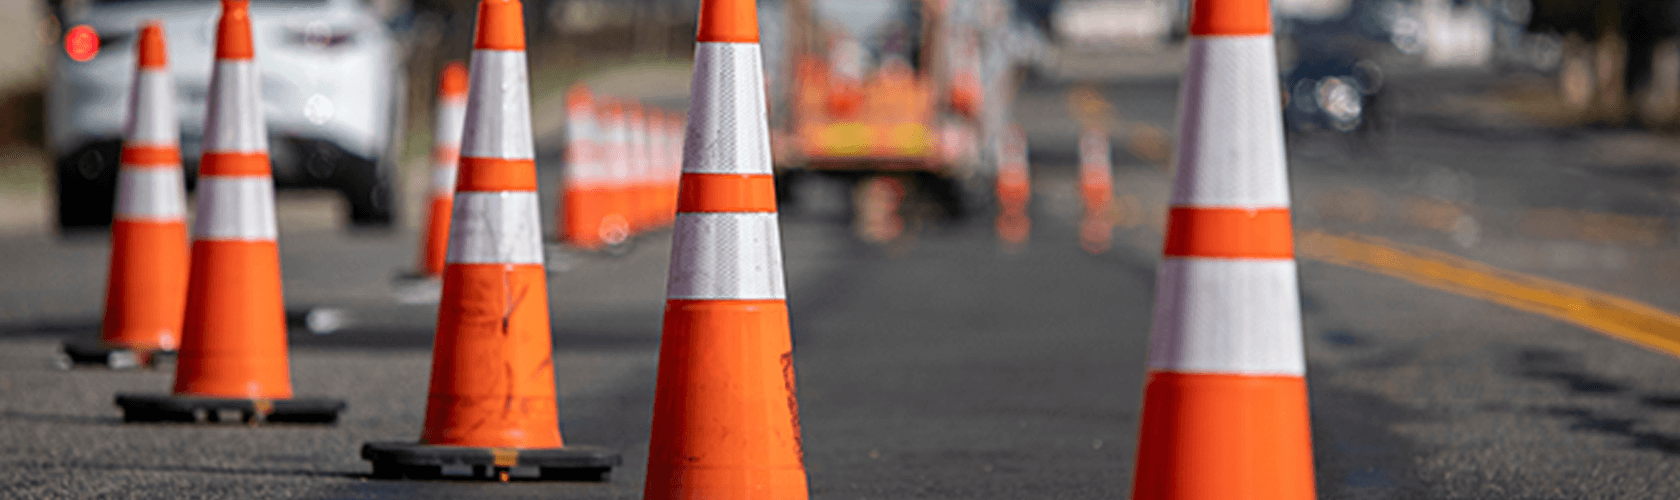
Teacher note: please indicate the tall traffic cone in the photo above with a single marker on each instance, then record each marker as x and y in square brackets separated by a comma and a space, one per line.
[492, 402]
[584, 188]
[725, 417]
[1014, 187]
[233, 344]
[1225, 403]
[446, 151]
[1096, 188]
[146, 294]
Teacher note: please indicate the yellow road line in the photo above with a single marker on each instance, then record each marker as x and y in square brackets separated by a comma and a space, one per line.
[1619, 317]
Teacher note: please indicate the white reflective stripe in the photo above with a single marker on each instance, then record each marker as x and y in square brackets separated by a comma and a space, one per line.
[1230, 150]
[151, 110]
[495, 227]
[151, 194]
[235, 121]
[498, 107]
[1227, 316]
[235, 208]
[451, 116]
[726, 256]
[616, 160]
[727, 133]
[443, 179]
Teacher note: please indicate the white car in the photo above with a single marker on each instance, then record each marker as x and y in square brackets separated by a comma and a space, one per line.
[332, 86]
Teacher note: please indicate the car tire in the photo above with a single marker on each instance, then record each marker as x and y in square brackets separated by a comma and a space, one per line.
[86, 182]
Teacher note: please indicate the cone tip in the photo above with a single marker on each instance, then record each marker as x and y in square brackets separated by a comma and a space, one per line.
[453, 83]
[1230, 17]
[501, 26]
[578, 96]
[152, 53]
[233, 33]
[728, 21]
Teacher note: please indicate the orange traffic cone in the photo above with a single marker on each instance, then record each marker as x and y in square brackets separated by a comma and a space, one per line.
[147, 289]
[1096, 187]
[635, 122]
[672, 171]
[615, 148]
[725, 418]
[653, 171]
[233, 344]
[1014, 187]
[492, 403]
[584, 189]
[446, 151]
[1225, 404]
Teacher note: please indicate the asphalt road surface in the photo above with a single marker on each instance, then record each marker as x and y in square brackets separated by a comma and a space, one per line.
[944, 364]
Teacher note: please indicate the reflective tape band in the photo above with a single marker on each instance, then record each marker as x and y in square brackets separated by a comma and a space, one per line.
[727, 193]
[1231, 233]
[235, 121]
[150, 157]
[498, 119]
[727, 133]
[451, 117]
[1227, 316]
[726, 256]
[1230, 17]
[443, 179]
[446, 154]
[153, 194]
[496, 174]
[1230, 149]
[495, 228]
[151, 110]
[242, 164]
[235, 208]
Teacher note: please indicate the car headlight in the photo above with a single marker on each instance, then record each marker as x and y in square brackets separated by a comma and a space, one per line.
[1341, 101]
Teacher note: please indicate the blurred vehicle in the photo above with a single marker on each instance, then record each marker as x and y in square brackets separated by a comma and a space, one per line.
[880, 88]
[1096, 24]
[332, 86]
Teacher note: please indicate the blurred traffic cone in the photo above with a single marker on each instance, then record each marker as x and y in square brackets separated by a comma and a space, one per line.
[1225, 404]
[492, 402]
[147, 290]
[1014, 187]
[635, 121]
[615, 225]
[233, 344]
[725, 417]
[1096, 187]
[584, 190]
[672, 178]
[451, 112]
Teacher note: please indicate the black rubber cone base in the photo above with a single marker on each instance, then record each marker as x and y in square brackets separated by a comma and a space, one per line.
[96, 353]
[422, 461]
[194, 409]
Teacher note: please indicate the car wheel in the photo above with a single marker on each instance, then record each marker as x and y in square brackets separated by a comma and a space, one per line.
[87, 186]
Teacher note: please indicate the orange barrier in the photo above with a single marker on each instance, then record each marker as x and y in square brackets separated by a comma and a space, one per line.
[446, 152]
[146, 296]
[623, 161]
[492, 384]
[1225, 404]
[725, 418]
